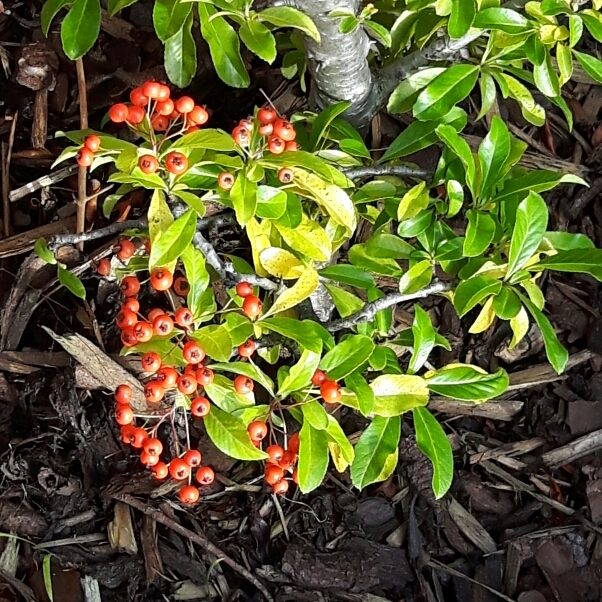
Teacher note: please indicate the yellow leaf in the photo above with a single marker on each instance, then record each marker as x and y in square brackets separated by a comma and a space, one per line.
[159, 215]
[308, 282]
[308, 238]
[395, 394]
[388, 466]
[334, 200]
[484, 319]
[413, 202]
[337, 457]
[281, 263]
[259, 236]
[520, 327]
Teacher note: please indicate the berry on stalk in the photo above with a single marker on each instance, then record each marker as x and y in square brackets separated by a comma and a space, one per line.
[243, 384]
[205, 475]
[161, 279]
[257, 430]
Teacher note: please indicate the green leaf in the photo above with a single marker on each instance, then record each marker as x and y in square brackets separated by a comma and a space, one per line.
[565, 241]
[223, 46]
[349, 274]
[434, 444]
[301, 332]
[493, 153]
[488, 94]
[504, 19]
[337, 435]
[591, 65]
[388, 246]
[71, 282]
[479, 233]
[461, 18]
[506, 304]
[271, 202]
[472, 291]
[198, 278]
[259, 40]
[169, 17]
[308, 238]
[347, 356]
[529, 229]
[313, 457]
[556, 353]
[365, 396]
[173, 241]
[209, 139]
[47, 573]
[359, 256]
[374, 447]
[460, 147]
[415, 226]
[192, 200]
[581, 261]
[300, 374]
[80, 28]
[239, 327]
[395, 394]
[467, 383]
[404, 96]
[215, 341]
[379, 32]
[315, 414]
[545, 77]
[43, 252]
[322, 122]
[180, 55]
[413, 202]
[424, 339]
[535, 181]
[287, 16]
[222, 393]
[114, 6]
[244, 198]
[531, 111]
[49, 10]
[247, 369]
[417, 277]
[445, 91]
[346, 303]
[307, 283]
[230, 436]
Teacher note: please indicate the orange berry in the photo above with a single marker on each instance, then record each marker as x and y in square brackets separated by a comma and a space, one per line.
[281, 487]
[266, 115]
[151, 90]
[160, 470]
[205, 475]
[330, 391]
[288, 460]
[126, 318]
[247, 349]
[130, 286]
[181, 286]
[161, 279]
[225, 180]
[118, 113]
[193, 353]
[124, 414]
[291, 146]
[178, 469]
[167, 376]
[165, 107]
[153, 391]
[243, 384]
[92, 143]
[244, 289]
[153, 446]
[176, 163]
[148, 459]
[252, 306]
[164, 93]
[187, 384]
[84, 157]
[276, 145]
[184, 317]
[139, 437]
[138, 98]
[273, 474]
[198, 115]
[318, 378]
[293, 443]
[160, 123]
[163, 325]
[136, 115]
[266, 129]
[192, 457]
[275, 452]
[123, 394]
[184, 105]
[126, 249]
[127, 433]
[150, 361]
[104, 267]
[284, 130]
[286, 175]
[148, 164]
[154, 313]
[189, 494]
[204, 376]
[200, 407]
[143, 332]
[257, 430]
[128, 337]
[132, 304]
[241, 135]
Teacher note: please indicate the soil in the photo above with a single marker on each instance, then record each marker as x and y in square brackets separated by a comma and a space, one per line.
[523, 520]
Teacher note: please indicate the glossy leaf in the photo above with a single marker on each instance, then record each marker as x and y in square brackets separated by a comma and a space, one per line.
[300, 374]
[308, 282]
[493, 153]
[281, 263]
[315, 414]
[535, 181]
[346, 303]
[433, 443]
[347, 356]
[461, 18]
[404, 96]
[43, 252]
[49, 10]
[323, 121]
[460, 147]
[71, 282]
[198, 278]
[581, 261]
[467, 383]
[259, 40]
[591, 65]
[313, 457]
[395, 394]
[287, 16]
[488, 94]
[246, 369]
[308, 238]
[301, 332]
[209, 139]
[520, 327]
[169, 17]
[473, 291]
[424, 339]
[114, 6]
[215, 341]
[180, 55]
[364, 394]
[239, 327]
[244, 198]
[337, 435]
[413, 202]
[349, 274]
[223, 394]
[504, 19]
[417, 277]
[80, 28]
[479, 233]
[173, 241]
[506, 304]
[271, 202]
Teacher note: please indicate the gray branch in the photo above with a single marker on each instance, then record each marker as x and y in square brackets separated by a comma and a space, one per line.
[369, 171]
[370, 310]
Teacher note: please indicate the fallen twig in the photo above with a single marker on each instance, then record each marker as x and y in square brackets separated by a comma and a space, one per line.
[7, 150]
[43, 182]
[159, 517]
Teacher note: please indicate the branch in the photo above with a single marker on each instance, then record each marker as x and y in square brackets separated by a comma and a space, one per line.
[358, 173]
[370, 310]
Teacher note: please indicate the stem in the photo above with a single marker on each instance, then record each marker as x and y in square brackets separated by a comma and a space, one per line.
[83, 172]
[369, 171]
[370, 310]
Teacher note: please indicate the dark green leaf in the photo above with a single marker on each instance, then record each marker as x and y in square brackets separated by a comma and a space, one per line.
[347, 356]
[592, 21]
[323, 121]
[169, 17]
[180, 55]
[474, 290]
[239, 327]
[49, 10]
[313, 457]
[488, 94]
[173, 241]
[230, 436]
[581, 261]
[493, 153]
[461, 18]
[535, 181]
[467, 383]
[80, 28]
[43, 252]
[198, 278]
[379, 32]
[460, 147]
[424, 339]
[302, 332]
[592, 65]
[71, 282]
[365, 396]
[479, 233]
[416, 225]
[115, 6]
[349, 274]
[433, 443]
[504, 19]
[259, 40]
[210, 139]
[315, 414]
[388, 246]
[506, 304]
[404, 96]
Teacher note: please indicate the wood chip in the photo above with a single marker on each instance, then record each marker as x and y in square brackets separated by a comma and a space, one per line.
[573, 451]
[494, 410]
[471, 528]
[511, 449]
[120, 530]
[153, 564]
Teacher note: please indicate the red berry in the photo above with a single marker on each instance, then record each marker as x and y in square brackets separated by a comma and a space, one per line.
[132, 304]
[205, 475]
[178, 469]
[161, 279]
[127, 433]
[104, 267]
[257, 430]
[276, 145]
[154, 391]
[154, 313]
[176, 163]
[126, 249]
[153, 447]
[139, 437]
[281, 487]
[159, 123]
[148, 460]
[266, 115]
[136, 115]
[181, 286]
[187, 384]
[163, 325]
[286, 175]
[123, 394]
[184, 105]
[248, 124]
[273, 474]
[318, 378]
[160, 470]
[200, 407]
[92, 143]
[284, 130]
[150, 361]
[126, 318]
[192, 457]
[193, 353]
[138, 98]
[143, 332]
[130, 286]
[167, 376]
[165, 107]
[148, 164]
[225, 180]
[288, 460]
[244, 289]
[124, 414]
[151, 90]
[243, 384]
[204, 376]
[330, 391]
[291, 146]
[193, 370]
[184, 317]
[293, 443]
[247, 349]
[164, 93]
[189, 494]
[128, 337]
[118, 113]
[84, 157]
[198, 115]
[275, 452]
[252, 306]
[266, 129]
[241, 135]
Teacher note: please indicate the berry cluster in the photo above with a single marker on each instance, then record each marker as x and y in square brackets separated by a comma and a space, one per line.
[281, 461]
[329, 389]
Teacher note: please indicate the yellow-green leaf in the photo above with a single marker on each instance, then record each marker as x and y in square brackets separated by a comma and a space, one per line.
[301, 290]
[281, 263]
[485, 317]
[395, 394]
[413, 202]
[520, 327]
[159, 216]
[259, 236]
[307, 238]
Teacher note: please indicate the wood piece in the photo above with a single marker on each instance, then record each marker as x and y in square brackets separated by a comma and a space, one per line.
[494, 410]
[39, 130]
[153, 565]
[510, 449]
[43, 182]
[8, 365]
[7, 150]
[44, 359]
[91, 589]
[120, 531]
[574, 450]
[518, 552]
[23, 243]
[471, 528]
[18, 586]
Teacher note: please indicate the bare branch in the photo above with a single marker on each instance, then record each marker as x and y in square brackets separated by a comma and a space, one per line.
[370, 310]
[369, 171]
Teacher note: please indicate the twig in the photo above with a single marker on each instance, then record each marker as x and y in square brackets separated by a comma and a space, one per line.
[7, 151]
[19, 586]
[370, 310]
[369, 171]
[42, 182]
[159, 517]
[82, 174]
